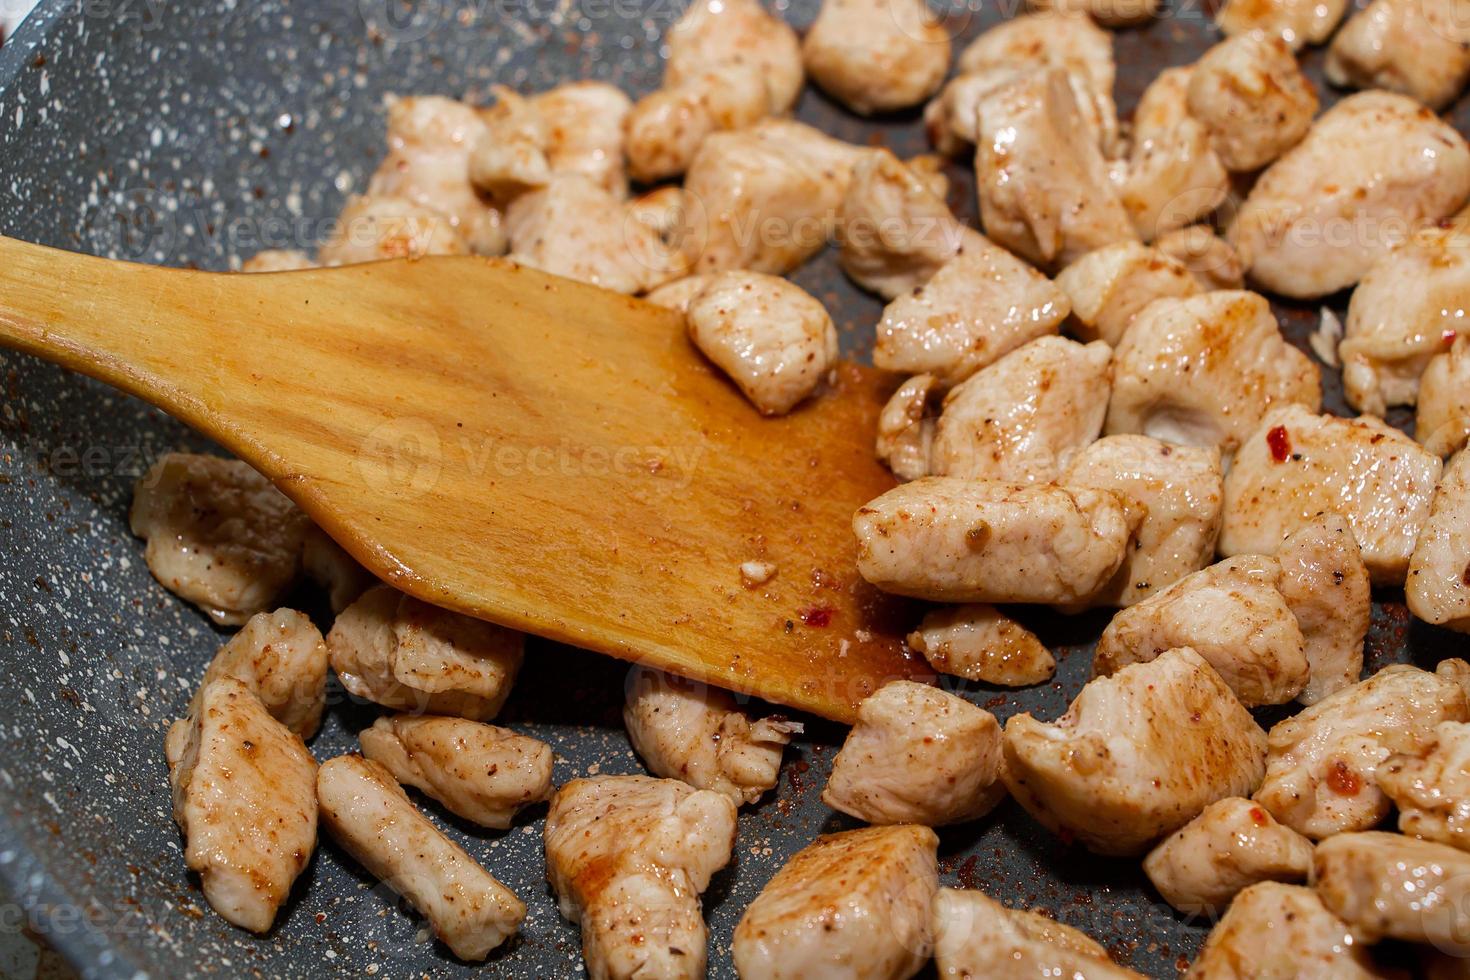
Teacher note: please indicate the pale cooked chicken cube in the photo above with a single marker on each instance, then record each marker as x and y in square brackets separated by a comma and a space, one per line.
[764, 199]
[374, 229]
[1026, 416]
[1181, 491]
[1173, 175]
[1110, 285]
[1230, 846]
[695, 733]
[1111, 13]
[1274, 931]
[1389, 885]
[244, 796]
[628, 857]
[906, 428]
[430, 139]
[408, 655]
[917, 755]
[509, 157]
[1430, 787]
[951, 118]
[371, 818]
[978, 937]
[1204, 371]
[1297, 22]
[582, 125]
[1410, 306]
[1215, 262]
[774, 340]
[1233, 615]
[1325, 583]
[1298, 465]
[1371, 171]
[1418, 47]
[1137, 755]
[677, 295]
[330, 567]
[876, 55]
[278, 260]
[736, 32]
[1320, 773]
[853, 905]
[480, 772]
[956, 540]
[980, 643]
[281, 658]
[895, 232]
[1438, 585]
[981, 305]
[1043, 186]
[219, 535]
[573, 227]
[1253, 98]
[1442, 422]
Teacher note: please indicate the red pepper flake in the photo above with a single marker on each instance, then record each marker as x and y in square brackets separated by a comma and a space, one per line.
[1279, 442]
[1258, 816]
[1448, 337]
[1343, 781]
[817, 616]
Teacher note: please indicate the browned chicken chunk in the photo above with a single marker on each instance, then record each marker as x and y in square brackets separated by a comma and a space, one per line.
[980, 643]
[1250, 93]
[877, 55]
[1389, 885]
[1282, 932]
[976, 936]
[1438, 586]
[1431, 786]
[281, 658]
[1109, 286]
[1324, 581]
[1418, 47]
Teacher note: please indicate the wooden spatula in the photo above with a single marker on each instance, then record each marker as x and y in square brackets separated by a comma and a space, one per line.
[514, 446]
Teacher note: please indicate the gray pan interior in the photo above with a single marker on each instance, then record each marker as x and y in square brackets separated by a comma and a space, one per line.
[190, 133]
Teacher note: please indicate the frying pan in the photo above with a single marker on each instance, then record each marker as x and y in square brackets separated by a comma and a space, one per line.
[193, 133]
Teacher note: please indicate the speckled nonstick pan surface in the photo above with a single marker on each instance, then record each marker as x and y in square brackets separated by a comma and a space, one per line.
[188, 133]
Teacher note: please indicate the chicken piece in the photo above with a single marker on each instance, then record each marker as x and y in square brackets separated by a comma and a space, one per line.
[854, 904]
[1438, 585]
[957, 540]
[1233, 615]
[480, 772]
[1251, 95]
[696, 733]
[582, 126]
[1110, 13]
[1391, 885]
[1109, 286]
[370, 817]
[660, 210]
[980, 643]
[375, 229]
[981, 305]
[677, 295]
[1371, 170]
[330, 567]
[281, 658]
[730, 64]
[1230, 846]
[1442, 422]
[877, 55]
[1325, 583]
[410, 656]
[1173, 176]
[1282, 932]
[1298, 465]
[1319, 776]
[1418, 47]
[509, 157]
[219, 535]
[770, 336]
[895, 231]
[1410, 306]
[243, 796]
[430, 139]
[976, 936]
[1180, 492]
[1204, 371]
[1297, 22]
[1043, 185]
[917, 755]
[278, 260]
[951, 118]
[1431, 786]
[1137, 755]
[764, 199]
[906, 428]
[1026, 416]
[628, 857]
[574, 228]
[1214, 261]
